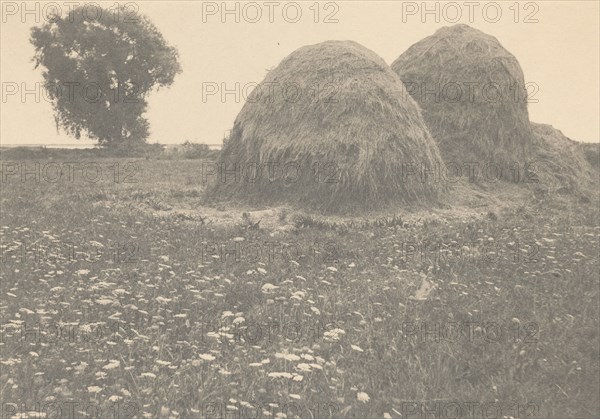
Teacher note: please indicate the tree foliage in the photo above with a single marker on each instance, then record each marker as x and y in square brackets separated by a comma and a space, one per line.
[99, 66]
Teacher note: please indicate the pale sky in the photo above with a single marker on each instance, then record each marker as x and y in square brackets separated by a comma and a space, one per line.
[560, 53]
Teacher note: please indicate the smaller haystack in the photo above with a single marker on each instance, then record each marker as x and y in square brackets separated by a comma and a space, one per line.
[561, 166]
[473, 96]
[330, 128]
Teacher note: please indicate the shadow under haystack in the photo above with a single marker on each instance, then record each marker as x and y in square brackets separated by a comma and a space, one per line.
[473, 96]
[331, 128]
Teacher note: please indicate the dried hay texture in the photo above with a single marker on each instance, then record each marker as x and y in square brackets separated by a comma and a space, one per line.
[473, 96]
[563, 166]
[352, 122]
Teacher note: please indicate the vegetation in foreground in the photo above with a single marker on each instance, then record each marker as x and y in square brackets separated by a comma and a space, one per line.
[149, 310]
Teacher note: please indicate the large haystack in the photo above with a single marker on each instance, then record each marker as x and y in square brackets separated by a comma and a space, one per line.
[473, 96]
[333, 130]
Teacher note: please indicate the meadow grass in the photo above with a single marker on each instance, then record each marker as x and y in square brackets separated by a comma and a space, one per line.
[142, 302]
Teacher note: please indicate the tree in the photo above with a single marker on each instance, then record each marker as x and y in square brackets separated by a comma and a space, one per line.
[99, 66]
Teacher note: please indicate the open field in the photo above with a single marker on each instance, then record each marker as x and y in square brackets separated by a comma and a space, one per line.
[491, 302]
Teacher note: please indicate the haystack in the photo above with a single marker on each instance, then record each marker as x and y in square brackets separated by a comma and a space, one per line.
[329, 128]
[473, 96]
[562, 166]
